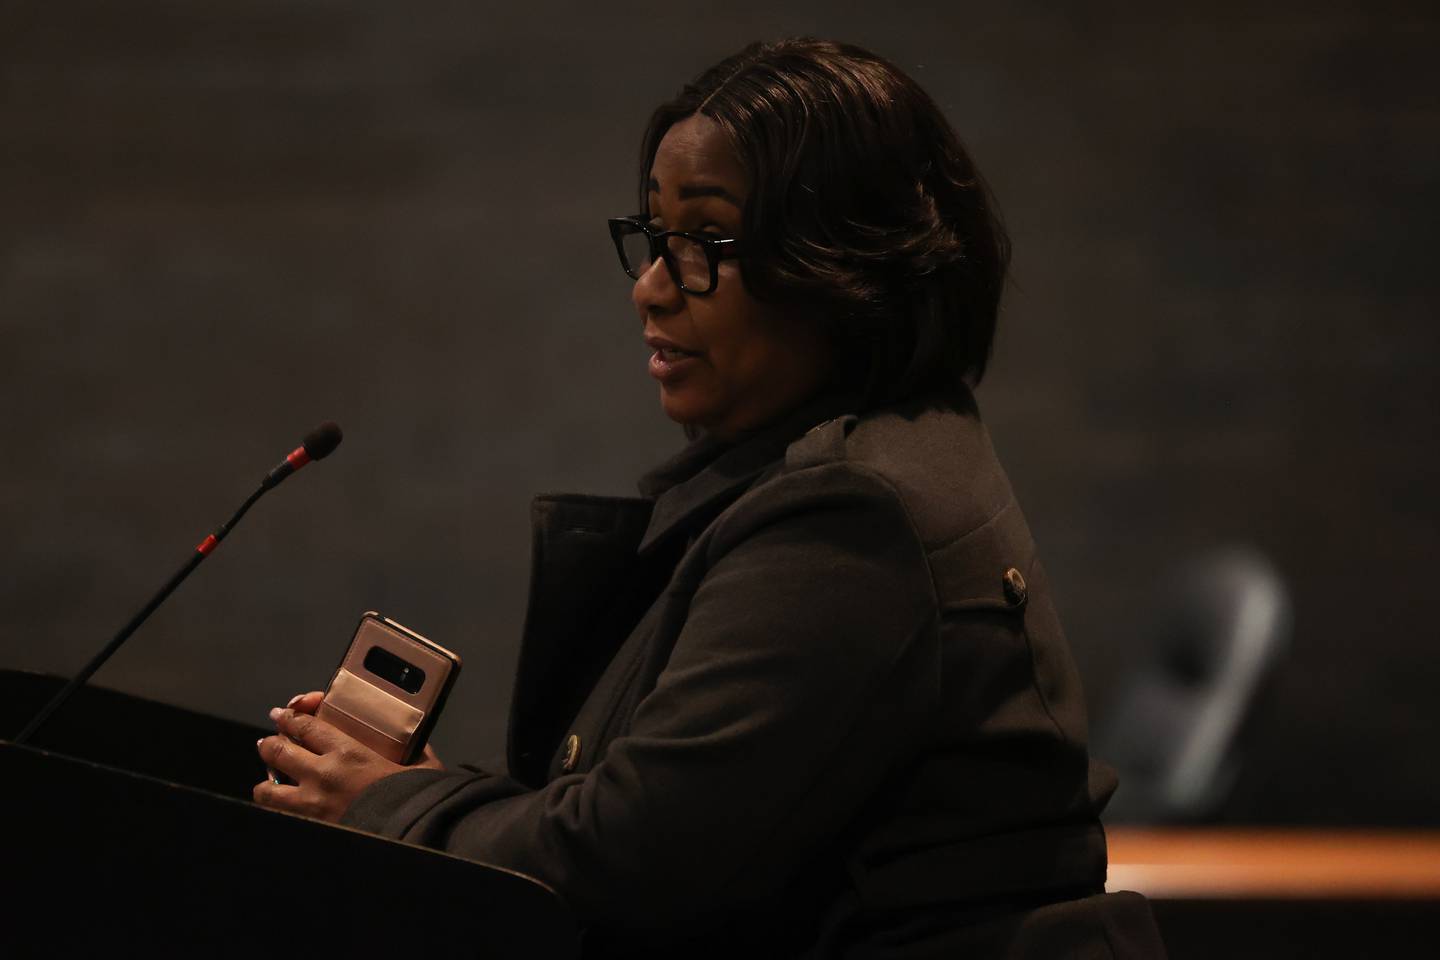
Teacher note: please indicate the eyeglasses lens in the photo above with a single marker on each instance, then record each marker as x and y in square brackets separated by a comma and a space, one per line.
[637, 252]
[689, 259]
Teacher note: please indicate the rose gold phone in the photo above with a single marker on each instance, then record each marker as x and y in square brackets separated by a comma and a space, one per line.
[389, 688]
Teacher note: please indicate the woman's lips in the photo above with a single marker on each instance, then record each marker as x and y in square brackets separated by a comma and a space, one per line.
[668, 364]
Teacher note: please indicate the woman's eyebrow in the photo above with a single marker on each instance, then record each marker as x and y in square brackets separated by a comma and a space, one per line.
[689, 191]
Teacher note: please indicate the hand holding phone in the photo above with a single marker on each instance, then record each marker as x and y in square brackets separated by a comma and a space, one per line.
[389, 688]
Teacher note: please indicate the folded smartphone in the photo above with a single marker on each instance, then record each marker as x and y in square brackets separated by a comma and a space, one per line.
[389, 688]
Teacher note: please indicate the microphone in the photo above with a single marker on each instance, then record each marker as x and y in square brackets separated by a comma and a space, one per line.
[317, 445]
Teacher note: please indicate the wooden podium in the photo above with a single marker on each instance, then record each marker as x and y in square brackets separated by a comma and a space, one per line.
[129, 827]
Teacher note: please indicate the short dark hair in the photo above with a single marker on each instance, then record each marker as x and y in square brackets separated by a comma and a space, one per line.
[862, 202]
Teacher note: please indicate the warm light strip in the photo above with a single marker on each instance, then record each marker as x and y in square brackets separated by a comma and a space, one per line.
[1274, 863]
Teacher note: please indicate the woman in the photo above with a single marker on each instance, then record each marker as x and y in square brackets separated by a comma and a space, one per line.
[807, 696]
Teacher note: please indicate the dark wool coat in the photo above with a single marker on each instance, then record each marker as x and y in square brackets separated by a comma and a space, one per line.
[809, 696]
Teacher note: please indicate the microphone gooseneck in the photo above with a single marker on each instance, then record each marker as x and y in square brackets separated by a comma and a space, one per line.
[318, 444]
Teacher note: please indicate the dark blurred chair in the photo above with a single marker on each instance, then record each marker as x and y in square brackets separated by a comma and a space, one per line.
[1219, 630]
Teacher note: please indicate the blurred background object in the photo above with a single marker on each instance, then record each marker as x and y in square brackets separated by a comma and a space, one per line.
[1211, 645]
[221, 223]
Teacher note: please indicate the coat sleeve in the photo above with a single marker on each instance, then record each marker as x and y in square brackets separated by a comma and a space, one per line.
[805, 672]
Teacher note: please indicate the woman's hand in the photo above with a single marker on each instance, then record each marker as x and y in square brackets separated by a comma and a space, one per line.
[330, 769]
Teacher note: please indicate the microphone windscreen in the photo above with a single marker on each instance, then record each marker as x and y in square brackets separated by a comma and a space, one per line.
[322, 441]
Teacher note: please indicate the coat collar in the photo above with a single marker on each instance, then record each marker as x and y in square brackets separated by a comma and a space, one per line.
[706, 476]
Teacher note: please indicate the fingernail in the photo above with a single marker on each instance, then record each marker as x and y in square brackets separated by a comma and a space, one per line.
[258, 742]
[294, 700]
[274, 714]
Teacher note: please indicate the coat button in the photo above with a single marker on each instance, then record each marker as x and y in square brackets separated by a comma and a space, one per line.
[572, 754]
[1015, 589]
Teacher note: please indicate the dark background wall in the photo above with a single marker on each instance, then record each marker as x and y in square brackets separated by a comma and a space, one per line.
[221, 223]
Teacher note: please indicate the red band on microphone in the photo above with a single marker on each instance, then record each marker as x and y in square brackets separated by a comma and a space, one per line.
[298, 458]
[206, 545]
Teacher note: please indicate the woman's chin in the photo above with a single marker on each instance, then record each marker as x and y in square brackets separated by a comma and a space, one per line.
[681, 406]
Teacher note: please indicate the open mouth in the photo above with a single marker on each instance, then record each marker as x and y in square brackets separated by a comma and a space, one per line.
[669, 363]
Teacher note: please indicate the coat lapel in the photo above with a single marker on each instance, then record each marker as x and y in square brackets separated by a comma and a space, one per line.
[585, 583]
[707, 476]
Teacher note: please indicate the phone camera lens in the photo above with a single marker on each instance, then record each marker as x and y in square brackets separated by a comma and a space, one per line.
[384, 664]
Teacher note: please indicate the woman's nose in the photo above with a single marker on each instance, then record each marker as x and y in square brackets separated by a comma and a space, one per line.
[656, 291]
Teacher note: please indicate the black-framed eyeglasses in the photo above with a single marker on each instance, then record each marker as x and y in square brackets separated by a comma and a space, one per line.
[693, 259]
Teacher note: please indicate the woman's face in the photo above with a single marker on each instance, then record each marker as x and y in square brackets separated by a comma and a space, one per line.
[725, 362]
